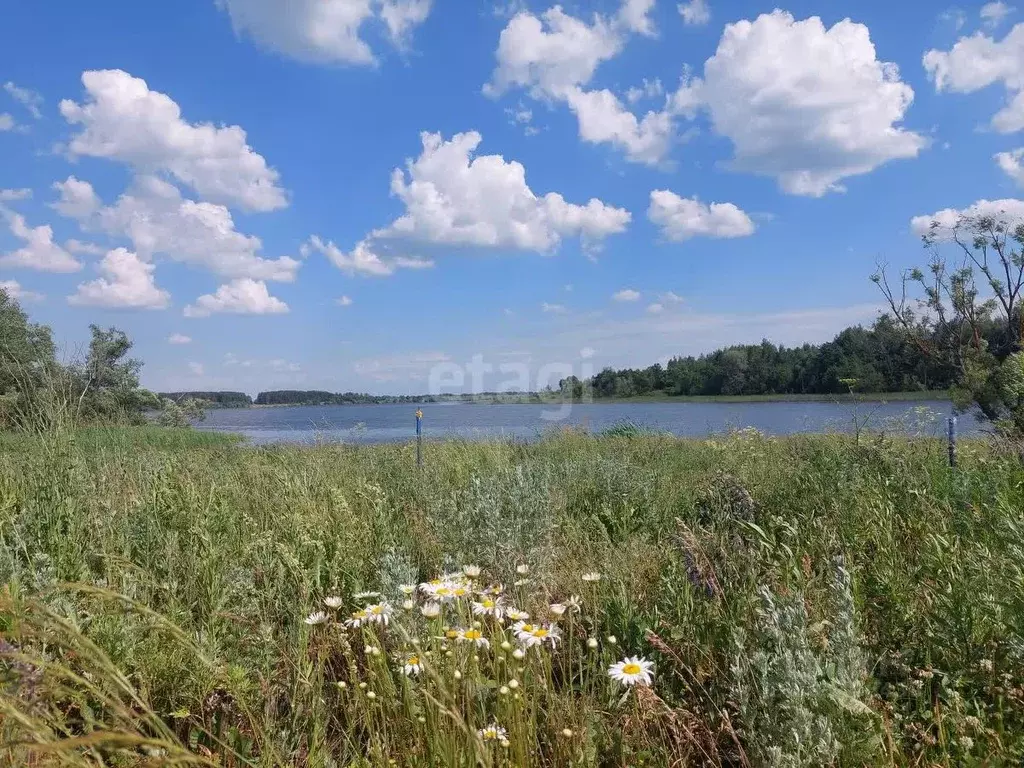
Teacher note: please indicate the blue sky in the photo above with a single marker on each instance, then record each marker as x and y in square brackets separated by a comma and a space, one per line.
[591, 184]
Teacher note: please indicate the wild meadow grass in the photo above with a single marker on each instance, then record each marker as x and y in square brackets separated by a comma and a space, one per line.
[746, 601]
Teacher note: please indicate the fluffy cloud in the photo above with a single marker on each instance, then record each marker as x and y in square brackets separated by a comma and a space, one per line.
[239, 297]
[363, 259]
[1010, 211]
[122, 119]
[806, 105]
[343, 301]
[681, 218]
[324, 31]
[1010, 163]
[157, 220]
[454, 198]
[40, 251]
[695, 12]
[77, 246]
[553, 309]
[15, 290]
[7, 122]
[992, 14]
[626, 294]
[979, 61]
[10, 195]
[26, 97]
[127, 283]
[179, 338]
[554, 55]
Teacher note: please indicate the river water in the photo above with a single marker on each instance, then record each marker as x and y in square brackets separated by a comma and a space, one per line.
[387, 423]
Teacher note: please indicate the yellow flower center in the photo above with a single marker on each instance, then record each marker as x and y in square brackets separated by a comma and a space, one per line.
[487, 603]
[490, 734]
[540, 632]
[413, 661]
[631, 669]
[460, 591]
[528, 628]
[472, 634]
[377, 610]
[451, 634]
[359, 615]
[443, 591]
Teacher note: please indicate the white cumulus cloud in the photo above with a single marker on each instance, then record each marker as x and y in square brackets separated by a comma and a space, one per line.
[695, 12]
[806, 105]
[681, 218]
[40, 252]
[10, 195]
[1009, 211]
[626, 294]
[122, 119]
[343, 301]
[239, 297]
[978, 61]
[363, 259]
[179, 338]
[7, 122]
[157, 220]
[16, 291]
[127, 283]
[324, 31]
[454, 198]
[554, 55]
[1010, 164]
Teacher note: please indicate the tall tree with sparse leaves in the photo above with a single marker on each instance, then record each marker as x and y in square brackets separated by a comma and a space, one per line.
[967, 315]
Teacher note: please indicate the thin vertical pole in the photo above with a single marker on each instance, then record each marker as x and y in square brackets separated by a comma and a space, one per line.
[419, 438]
[951, 437]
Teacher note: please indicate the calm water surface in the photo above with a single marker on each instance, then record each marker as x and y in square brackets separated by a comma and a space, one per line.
[387, 423]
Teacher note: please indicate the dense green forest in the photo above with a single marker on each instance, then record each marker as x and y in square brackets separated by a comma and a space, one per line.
[211, 399]
[877, 359]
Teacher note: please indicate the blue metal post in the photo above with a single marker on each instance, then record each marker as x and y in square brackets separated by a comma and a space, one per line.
[419, 438]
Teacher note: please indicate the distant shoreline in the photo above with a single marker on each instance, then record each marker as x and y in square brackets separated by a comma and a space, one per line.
[535, 399]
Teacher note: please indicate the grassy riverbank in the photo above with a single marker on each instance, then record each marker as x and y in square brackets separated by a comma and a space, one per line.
[805, 601]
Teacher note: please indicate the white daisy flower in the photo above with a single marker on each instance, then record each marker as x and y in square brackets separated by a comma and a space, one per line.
[334, 602]
[471, 571]
[574, 603]
[522, 626]
[461, 590]
[538, 635]
[489, 607]
[522, 569]
[365, 595]
[514, 614]
[632, 671]
[317, 617]
[494, 589]
[591, 576]
[407, 589]
[357, 619]
[493, 732]
[431, 610]
[379, 612]
[412, 665]
[474, 636]
[428, 587]
[557, 609]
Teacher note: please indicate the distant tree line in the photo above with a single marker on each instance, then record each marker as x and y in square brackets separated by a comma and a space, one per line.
[881, 358]
[211, 399]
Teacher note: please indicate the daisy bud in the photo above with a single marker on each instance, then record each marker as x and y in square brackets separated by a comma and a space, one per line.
[375, 651]
[591, 642]
[362, 686]
[477, 625]
[371, 695]
[476, 657]
[506, 645]
[421, 719]
[458, 675]
[342, 684]
[522, 569]
[506, 744]
[516, 696]
[408, 605]
[503, 690]
[567, 732]
[448, 654]
[513, 683]
[518, 653]
[612, 640]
